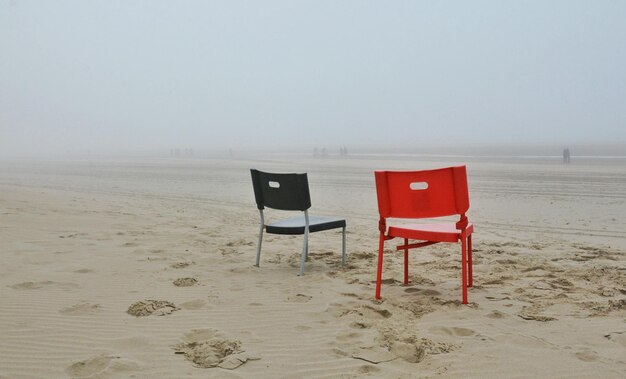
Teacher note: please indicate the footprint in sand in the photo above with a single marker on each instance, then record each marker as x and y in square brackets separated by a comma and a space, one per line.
[240, 242]
[368, 369]
[351, 337]
[425, 292]
[587, 355]
[208, 348]
[237, 288]
[151, 307]
[366, 311]
[356, 296]
[31, 285]
[47, 283]
[151, 259]
[561, 283]
[418, 307]
[532, 314]
[193, 304]
[340, 353]
[373, 355]
[181, 264]
[617, 337]
[185, 282]
[497, 280]
[390, 281]
[363, 255]
[299, 298]
[370, 312]
[73, 235]
[101, 365]
[81, 309]
[496, 315]
[453, 331]
[413, 349]
[360, 325]
[409, 352]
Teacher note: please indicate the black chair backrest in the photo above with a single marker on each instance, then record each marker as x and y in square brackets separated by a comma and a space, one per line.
[287, 192]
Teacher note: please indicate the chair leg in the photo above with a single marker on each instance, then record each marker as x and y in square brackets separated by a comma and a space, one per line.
[305, 251]
[379, 271]
[343, 247]
[464, 268]
[469, 261]
[406, 262]
[258, 246]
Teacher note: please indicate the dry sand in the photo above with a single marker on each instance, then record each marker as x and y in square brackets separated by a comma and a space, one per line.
[144, 268]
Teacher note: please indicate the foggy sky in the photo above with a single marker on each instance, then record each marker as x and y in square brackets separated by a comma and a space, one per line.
[124, 75]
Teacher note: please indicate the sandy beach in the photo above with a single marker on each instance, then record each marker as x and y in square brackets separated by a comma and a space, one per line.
[137, 268]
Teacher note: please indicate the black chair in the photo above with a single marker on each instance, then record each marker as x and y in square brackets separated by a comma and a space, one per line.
[290, 192]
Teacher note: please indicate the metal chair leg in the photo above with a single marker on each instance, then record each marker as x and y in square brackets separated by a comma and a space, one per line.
[343, 247]
[258, 247]
[305, 244]
[305, 248]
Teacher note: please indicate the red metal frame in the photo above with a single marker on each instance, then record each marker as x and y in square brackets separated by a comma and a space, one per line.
[441, 192]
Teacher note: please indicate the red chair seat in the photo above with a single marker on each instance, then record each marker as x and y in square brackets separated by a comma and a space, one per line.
[430, 232]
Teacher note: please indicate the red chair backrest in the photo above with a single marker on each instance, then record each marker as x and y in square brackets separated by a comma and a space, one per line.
[422, 194]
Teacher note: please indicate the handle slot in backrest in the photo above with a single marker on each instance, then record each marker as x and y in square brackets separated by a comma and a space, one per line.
[418, 186]
[273, 184]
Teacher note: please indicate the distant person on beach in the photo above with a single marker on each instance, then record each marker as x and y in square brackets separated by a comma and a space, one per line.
[566, 155]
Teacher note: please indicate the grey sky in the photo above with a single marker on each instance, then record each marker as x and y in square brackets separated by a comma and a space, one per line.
[206, 74]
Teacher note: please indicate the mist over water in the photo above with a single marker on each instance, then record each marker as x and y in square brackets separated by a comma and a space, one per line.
[447, 78]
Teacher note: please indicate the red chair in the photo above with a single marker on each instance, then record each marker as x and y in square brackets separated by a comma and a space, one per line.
[425, 194]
